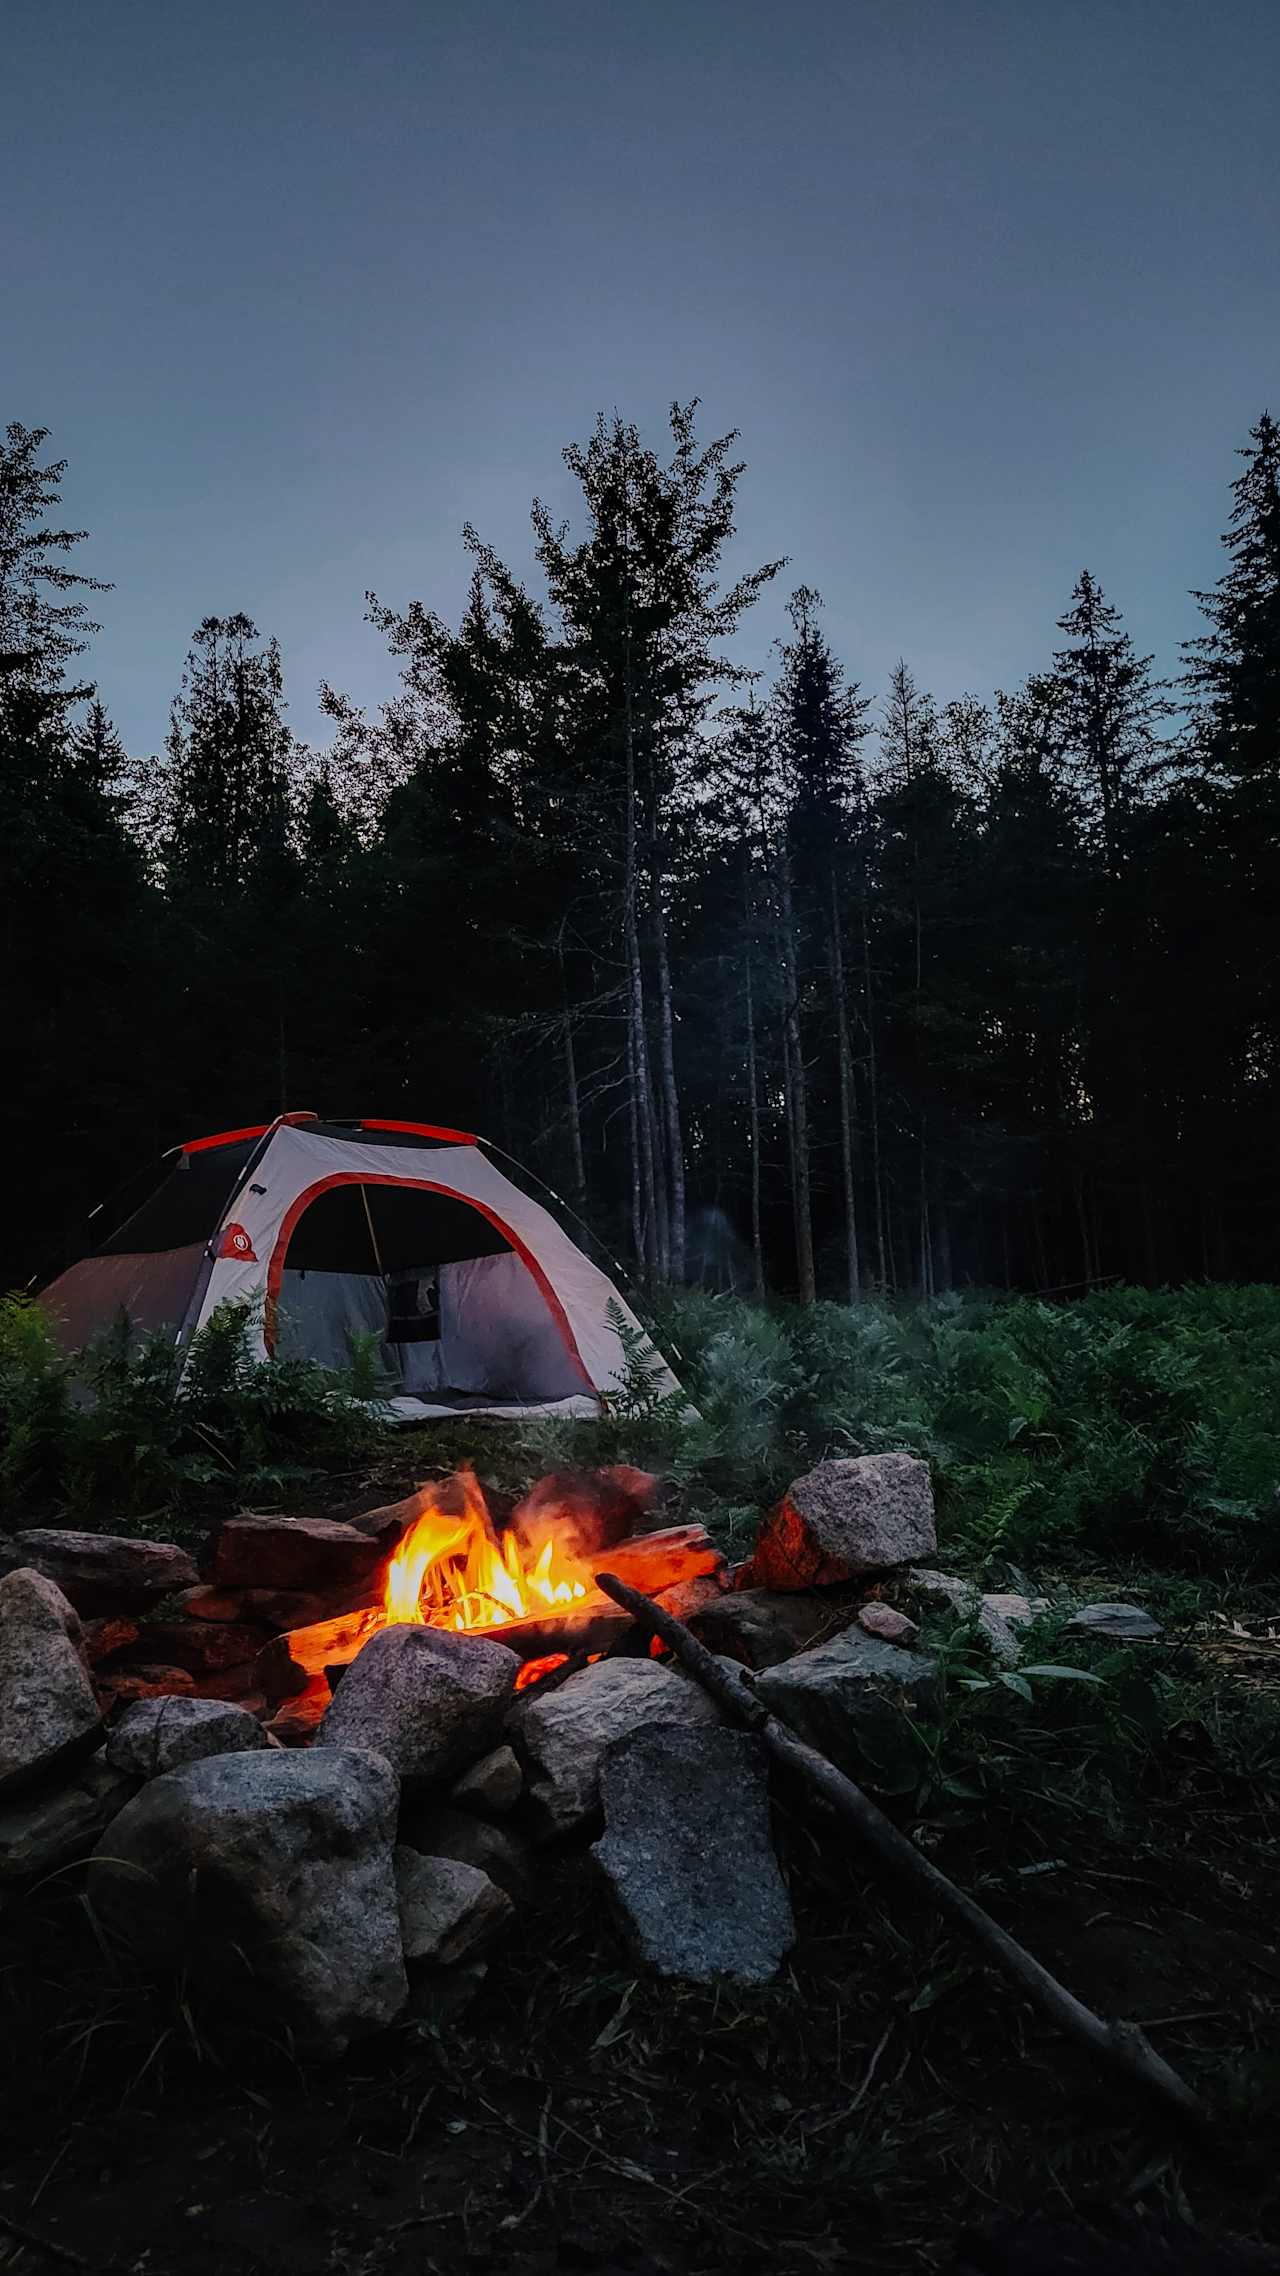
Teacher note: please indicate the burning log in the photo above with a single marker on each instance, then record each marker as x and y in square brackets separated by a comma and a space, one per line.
[653, 1562]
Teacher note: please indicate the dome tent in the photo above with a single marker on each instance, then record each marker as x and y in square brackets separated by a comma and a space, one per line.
[478, 1299]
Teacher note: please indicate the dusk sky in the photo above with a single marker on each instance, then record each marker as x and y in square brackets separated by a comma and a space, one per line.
[990, 290]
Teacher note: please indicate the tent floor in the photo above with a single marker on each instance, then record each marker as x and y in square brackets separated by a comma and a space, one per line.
[450, 1404]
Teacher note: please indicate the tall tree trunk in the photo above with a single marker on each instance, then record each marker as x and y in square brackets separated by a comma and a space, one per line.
[853, 1259]
[638, 1042]
[670, 1094]
[873, 1078]
[757, 1244]
[571, 1087]
[797, 1088]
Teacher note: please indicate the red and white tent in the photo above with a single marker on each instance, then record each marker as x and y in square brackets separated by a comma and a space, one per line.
[476, 1298]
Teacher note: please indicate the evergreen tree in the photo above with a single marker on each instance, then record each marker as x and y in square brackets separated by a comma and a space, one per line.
[1113, 709]
[229, 752]
[821, 725]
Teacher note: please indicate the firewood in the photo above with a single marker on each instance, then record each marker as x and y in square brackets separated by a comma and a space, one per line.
[656, 1561]
[1119, 2046]
[285, 1665]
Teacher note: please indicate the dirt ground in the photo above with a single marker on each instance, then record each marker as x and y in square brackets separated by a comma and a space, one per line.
[882, 2098]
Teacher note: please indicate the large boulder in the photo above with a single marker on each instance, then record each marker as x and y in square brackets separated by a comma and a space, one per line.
[687, 1854]
[854, 1699]
[862, 1514]
[155, 1735]
[105, 1572]
[427, 1699]
[447, 1910]
[304, 1553]
[562, 1737]
[268, 1878]
[41, 1832]
[49, 1717]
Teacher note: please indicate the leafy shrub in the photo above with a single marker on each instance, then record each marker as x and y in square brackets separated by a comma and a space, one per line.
[132, 1423]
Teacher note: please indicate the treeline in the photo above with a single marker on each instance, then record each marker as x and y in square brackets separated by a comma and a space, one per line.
[778, 979]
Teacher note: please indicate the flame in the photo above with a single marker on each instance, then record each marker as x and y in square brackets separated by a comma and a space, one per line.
[452, 1570]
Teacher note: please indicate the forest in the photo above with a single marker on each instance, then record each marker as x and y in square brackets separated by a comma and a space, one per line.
[783, 982]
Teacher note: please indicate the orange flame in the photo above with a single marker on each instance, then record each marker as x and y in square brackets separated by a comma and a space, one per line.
[452, 1571]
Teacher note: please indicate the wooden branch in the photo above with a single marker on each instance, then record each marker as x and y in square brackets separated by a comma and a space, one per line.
[1120, 2046]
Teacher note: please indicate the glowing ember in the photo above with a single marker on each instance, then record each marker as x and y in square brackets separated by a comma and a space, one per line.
[452, 1570]
[532, 1671]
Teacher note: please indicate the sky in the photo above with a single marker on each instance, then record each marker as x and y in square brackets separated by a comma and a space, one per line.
[990, 289]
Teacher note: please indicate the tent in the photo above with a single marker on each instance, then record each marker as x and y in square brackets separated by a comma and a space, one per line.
[478, 1300]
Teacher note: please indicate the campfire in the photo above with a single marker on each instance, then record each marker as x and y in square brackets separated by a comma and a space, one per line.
[454, 1571]
[524, 1576]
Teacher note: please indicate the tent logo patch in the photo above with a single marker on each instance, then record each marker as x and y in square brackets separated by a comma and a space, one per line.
[236, 1243]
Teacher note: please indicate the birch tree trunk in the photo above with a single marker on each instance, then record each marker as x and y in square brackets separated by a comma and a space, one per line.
[670, 1094]
[797, 1089]
[571, 1087]
[757, 1245]
[853, 1259]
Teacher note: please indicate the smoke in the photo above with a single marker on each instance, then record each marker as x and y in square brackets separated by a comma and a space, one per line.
[716, 1256]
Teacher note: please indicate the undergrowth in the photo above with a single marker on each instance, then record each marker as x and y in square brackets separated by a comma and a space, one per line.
[1133, 1429]
[132, 1425]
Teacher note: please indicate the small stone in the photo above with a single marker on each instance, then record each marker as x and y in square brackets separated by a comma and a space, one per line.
[562, 1737]
[930, 1593]
[863, 1514]
[891, 1626]
[1000, 1638]
[426, 1699]
[308, 1553]
[688, 1857]
[106, 1572]
[492, 1849]
[49, 1717]
[268, 1878]
[854, 1699]
[1018, 1610]
[447, 1910]
[1127, 1623]
[155, 1735]
[45, 1831]
[943, 1595]
[492, 1786]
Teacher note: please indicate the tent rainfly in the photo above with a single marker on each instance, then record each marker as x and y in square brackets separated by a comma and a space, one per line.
[478, 1300]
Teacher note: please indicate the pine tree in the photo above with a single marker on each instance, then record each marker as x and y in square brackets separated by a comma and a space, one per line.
[820, 724]
[229, 752]
[1234, 669]
[1113, 712]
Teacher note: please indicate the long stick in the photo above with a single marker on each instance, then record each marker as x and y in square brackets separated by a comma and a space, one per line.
[1120, 2046]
